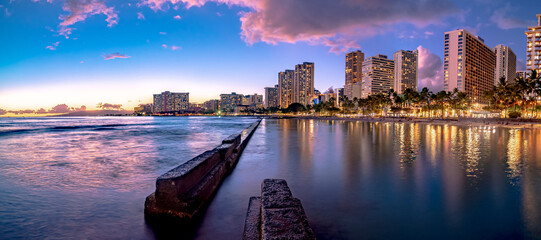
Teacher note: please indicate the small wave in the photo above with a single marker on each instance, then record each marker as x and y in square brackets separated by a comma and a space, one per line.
[15, 131]
[63, 128]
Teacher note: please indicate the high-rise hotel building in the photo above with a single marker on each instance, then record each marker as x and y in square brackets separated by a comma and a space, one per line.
[285, 88]
[506, 64]
[303, 84]
[271, 97]
[171, 102]
[228, 102]
[354, 69]
[533, 54]
[378, 75]
[405, 70]
[469, 64]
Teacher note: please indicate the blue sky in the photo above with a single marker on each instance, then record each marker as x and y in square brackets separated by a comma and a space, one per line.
[55, 52]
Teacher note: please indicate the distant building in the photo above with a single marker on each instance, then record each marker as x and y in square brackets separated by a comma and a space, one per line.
[271, 97]
[285, 88]
[303, 84]
[522, 74]
[405, 70]
[339, 92]
[213, 104]
[144, 109]
[506, 64]
[354, 70]
[533, 48]
[469, 64]
[253, 101]
[228, 102]
[378, 75]
[171, 102]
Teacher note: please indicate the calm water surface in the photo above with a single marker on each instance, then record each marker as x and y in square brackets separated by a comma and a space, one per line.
[88, 177]
[391, 180]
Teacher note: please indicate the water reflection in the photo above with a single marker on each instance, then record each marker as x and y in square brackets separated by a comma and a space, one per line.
[515, 158]
[356, 179]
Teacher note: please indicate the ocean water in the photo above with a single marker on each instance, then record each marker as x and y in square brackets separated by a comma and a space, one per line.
[65, 178]
[70, 178]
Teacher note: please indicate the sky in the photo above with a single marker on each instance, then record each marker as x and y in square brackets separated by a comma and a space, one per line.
[83, 52]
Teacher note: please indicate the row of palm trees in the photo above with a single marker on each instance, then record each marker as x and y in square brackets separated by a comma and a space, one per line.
[520, 97]
[509, 99]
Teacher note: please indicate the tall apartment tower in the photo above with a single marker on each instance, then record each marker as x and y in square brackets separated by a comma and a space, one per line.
[171, 102]
[378, 75]
[506, 64]
[405, 70]
[469, 64]
[533, 54]
[271, 96]
[285, 88]
[354, 69]
[303, 84]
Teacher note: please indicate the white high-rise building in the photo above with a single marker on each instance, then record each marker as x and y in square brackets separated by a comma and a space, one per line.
[469, 64]
[533, 53]
[378, 75]
[405, 70]
[506, 64]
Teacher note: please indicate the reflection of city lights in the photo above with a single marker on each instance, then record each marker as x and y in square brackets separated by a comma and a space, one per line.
[514, 156]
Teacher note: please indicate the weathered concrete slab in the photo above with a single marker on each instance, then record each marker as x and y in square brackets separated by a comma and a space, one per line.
[183, 193]
[280, 215]
[252, 225]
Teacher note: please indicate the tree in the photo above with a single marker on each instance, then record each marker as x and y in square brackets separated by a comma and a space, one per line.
[296, 107]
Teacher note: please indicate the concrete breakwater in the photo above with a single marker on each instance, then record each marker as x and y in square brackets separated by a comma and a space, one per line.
[183, 193]
[276, 214]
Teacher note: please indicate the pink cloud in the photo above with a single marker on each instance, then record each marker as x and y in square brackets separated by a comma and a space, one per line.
[140, 16]
[430, 67]
[79, 10]
[115, 55]
[177, 17]
[163, 33]
[173, 47]
[53, 46]
[164, 4]
[336, 24]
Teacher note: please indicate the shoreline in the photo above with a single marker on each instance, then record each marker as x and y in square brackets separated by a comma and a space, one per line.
[472, 122]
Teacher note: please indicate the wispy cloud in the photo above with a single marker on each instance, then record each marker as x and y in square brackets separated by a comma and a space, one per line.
[53, 46]
[324, 22]
[115, 55]
[177, 17]
[7, 13]
[163, 33]
[79, 10]
[140, 16]
[501, 18]
[430, 70]
[173, 47]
